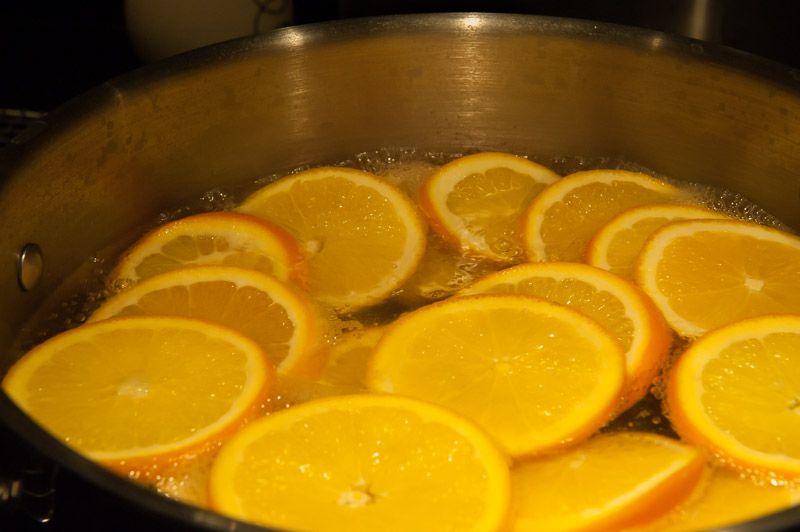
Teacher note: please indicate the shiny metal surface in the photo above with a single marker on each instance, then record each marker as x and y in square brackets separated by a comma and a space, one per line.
[113, 159]
[30, 266]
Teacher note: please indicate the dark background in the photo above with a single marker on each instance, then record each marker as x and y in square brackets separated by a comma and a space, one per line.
[52, 51]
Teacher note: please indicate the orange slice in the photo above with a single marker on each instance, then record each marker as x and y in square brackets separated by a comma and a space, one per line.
[441, 273]
[534, 375]
[348, 358]
[724, 498]
[363, 237]
[216, 238]
[735, 392]
[140, 388]
[618, 306]
[610, 482]
[562, 219]
[475, 202]
[703, 274]
[283, 322]
[616, 246]
[362, 462]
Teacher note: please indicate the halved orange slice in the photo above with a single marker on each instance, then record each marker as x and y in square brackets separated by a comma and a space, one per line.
[363, 462]
[475, 202]
[215, 238]
[611, 482]
[141, 388]
[534, 375]
[562, 219]
[616, 305]
[703, 274]
[362, 236]
[735, 392]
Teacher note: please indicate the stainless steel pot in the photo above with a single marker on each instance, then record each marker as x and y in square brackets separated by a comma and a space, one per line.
[114, 158]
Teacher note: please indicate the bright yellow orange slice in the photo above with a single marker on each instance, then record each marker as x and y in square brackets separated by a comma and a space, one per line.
[534, 375]
[140, 388]
[362, 236]
[363, 462]
[724, 498]
[563, 218]
[703, 274]
[618, 306]
[617, 244]
[610, 482]
[475, 202]
[735, 392]
[216, 238]
[277, 317]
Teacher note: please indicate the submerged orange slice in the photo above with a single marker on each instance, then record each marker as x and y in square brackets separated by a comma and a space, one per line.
[216, 238]
[618, 306]
[362, 462]
[475, 202]
[610, 482]
[441, 273]
[362, 236]
[140, 388]
[735, 392]
[562, 219]
[703, 274]
[349, 357]
[616, 246]
[534, 375]
[724, 498]
[280, 319]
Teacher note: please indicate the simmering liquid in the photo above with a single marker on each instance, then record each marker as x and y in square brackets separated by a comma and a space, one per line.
[186, 478]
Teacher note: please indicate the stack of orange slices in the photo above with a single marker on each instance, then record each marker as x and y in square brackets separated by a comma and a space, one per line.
[497, 408]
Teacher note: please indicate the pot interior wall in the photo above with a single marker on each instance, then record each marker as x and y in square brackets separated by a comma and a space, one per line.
[112, 160]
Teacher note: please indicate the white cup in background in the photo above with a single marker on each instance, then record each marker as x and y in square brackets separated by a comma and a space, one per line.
[161, 28]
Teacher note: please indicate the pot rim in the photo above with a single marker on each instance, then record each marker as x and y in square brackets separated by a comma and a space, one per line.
[71, 114]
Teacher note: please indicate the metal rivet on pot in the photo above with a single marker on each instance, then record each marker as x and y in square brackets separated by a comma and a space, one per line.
[30, 266]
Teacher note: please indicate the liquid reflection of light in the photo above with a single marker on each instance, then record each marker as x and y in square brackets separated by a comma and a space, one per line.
[656, 42]
[472, 22]
[293, 36]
